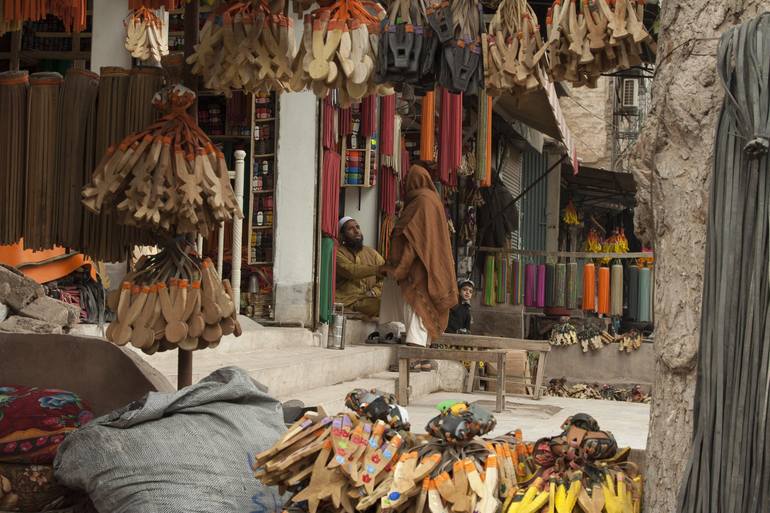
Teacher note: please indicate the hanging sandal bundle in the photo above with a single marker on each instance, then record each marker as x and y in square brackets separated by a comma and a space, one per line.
[339, 50]
[172, 299]
[146, 35]
[461, 67]
[514, 53]
[167, 177]
[603, 36]
[408, 47]
[14, 87]
[246, 45]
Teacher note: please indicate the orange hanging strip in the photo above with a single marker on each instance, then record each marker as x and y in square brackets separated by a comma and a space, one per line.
[428, 127]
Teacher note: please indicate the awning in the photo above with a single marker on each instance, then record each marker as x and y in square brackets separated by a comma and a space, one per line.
[601, 188]
[539, 110]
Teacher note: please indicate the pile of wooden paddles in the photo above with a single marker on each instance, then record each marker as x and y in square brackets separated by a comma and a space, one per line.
[604, 35]
[167, 178]
[172, 299]
[351, 462]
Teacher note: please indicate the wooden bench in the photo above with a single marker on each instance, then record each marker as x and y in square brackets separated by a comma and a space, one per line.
[484, 349]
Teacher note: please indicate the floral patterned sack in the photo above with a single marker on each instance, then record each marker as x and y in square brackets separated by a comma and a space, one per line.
[34, 421]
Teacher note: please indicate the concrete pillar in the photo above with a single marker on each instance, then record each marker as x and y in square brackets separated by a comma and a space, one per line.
[553, 210]
[294, 245]
[107, 43]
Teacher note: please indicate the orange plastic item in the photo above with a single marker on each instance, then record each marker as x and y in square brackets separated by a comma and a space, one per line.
[604, 290]
[44, 266]
[589, 287]
[428, 127]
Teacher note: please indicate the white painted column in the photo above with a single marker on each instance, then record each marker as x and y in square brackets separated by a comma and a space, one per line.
[235, 273]
[294, 244]
[109, 35]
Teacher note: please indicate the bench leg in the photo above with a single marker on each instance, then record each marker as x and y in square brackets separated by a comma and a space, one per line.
[500, 402]
[471, 378]
[540, 374]
[403, 381]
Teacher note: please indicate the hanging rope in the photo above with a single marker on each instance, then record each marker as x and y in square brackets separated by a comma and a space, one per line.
[728, 469]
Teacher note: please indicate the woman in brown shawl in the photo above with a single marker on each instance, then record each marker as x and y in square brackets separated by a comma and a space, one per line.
[421, 263]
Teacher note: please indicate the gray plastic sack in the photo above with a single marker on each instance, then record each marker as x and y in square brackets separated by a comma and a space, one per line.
[185, 452]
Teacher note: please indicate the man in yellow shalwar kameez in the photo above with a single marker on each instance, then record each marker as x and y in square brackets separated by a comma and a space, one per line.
[359, 284]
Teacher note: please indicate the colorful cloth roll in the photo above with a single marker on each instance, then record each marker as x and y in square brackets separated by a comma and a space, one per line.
[530, 285]
[616, 290]
[501, 275]
[604, 290]
[489, 280]
[550, 279]
[328, 266]
[645, 298]
[560, 286]
[541, 286]
[572, 286]
[589, 287]
[517, 282]
[633, 292]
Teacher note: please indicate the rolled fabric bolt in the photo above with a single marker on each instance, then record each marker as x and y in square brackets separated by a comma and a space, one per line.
[589, 287]
[633, 292]
[560, 286]
[644, 301]
[530, 285]
[571, 293]
[616, 290]
[515, 277]
[500, 275]
[489, 280]
[541, 286]
[550, 279]
[604, 290]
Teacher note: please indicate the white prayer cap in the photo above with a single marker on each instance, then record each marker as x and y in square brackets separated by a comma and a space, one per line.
[343, 221]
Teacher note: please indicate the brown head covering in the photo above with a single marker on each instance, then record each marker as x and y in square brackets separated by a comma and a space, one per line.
[430, 286]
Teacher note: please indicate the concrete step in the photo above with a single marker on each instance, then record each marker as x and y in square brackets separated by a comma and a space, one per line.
[332, 397]
[286, 370]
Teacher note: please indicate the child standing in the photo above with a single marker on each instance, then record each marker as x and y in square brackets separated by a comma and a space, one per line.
[460, 315]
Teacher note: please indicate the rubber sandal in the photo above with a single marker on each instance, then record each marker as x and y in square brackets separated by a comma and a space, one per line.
[374, 338]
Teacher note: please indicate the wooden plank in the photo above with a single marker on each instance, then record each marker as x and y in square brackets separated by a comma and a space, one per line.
[487, 342]
[416, 353]
[403, 381]
[565, 254]
[540, 374]
[471, 378]
[500, 402]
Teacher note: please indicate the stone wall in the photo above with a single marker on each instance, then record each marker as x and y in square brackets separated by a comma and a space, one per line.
[589, 116]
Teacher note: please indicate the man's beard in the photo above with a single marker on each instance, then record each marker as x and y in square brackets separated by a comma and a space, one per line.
[355, 244]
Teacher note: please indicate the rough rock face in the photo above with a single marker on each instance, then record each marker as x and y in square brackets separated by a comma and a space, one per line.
[37, 313]
[19, 324]
[19, 290]
[672, 165]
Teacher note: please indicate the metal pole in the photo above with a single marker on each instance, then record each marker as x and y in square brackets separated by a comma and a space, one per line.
[191, 15]
[220, 248]
[235, 276]
[200, 245]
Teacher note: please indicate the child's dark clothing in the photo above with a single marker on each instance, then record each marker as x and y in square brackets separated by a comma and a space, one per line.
[459, 318]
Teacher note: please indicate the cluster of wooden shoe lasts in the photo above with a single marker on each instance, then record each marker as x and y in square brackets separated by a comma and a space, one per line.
[168, 177]
[252, 50]
[605, 35]
[513, 50]
[146, 35]
[157, 313]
